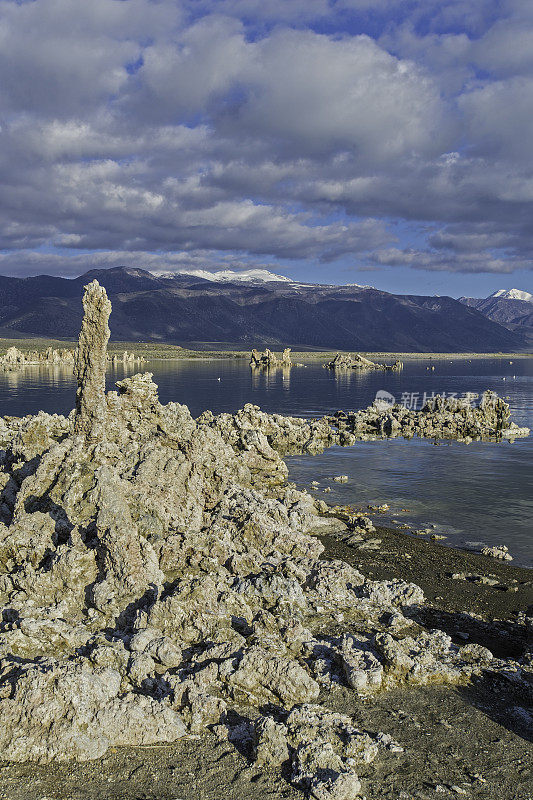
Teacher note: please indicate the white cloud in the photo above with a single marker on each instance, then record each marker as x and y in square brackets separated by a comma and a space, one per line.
[324, 94]
[235, 128]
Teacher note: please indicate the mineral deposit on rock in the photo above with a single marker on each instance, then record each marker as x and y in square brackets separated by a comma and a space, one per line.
[16, 359]
[158, 576]
[269, 360]
[357, 361]
[91, 361]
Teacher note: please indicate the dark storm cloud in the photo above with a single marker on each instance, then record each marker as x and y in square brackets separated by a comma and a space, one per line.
[245, 130]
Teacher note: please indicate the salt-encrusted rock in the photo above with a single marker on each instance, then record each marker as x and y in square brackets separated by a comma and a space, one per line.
[326, 751]
[268, 359]
[362, 669]
[16, 359]
[429, 658]
[157, 576]
[59, 711]
[90, 363]
[392, 593]
[271, 748]
[266, 678]
[127, 561]
[357, 361]
[500, 551]
[64, 358]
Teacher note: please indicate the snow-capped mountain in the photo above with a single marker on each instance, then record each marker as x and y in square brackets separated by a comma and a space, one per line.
[230, 275]
[512, 308]
[513, 294]
[252, 311]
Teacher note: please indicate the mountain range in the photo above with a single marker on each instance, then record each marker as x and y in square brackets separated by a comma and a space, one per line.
[265, 309]
[512, 308]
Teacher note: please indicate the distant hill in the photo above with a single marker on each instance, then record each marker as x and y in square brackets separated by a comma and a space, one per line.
[271, 311]
[512, 308]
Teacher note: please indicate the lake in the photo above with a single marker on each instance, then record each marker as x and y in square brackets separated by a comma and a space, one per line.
[477, 492]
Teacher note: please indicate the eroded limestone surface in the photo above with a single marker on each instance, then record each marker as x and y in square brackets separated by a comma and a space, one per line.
[157, 576]
[15, 359]
[359, 362]
[268, 359]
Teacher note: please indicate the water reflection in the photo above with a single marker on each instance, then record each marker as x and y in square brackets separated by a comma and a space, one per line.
[481, 491]
[271, 378]
[54, 374]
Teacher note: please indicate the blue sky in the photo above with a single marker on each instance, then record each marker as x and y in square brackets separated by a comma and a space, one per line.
[383, 142]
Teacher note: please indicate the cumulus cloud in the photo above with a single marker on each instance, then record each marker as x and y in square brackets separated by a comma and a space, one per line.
[151, 132]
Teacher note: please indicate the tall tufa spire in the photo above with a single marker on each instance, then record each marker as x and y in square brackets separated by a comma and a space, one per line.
[90, 363]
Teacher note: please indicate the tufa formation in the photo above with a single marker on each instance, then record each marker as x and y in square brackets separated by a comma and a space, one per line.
[159, 576]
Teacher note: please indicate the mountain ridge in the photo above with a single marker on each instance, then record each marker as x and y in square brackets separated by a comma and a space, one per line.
[186, 307]
[508, 309]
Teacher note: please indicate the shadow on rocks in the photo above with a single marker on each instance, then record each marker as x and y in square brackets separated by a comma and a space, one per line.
[505, 638]
[506, 700]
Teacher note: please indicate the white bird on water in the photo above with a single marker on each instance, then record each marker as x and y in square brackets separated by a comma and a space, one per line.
[218, 379]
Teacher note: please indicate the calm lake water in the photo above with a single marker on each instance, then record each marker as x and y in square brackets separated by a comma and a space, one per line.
[477, 492]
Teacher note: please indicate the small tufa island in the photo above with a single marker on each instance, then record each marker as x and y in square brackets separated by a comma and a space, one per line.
[269, 360]
[159, 577]
[347, 361]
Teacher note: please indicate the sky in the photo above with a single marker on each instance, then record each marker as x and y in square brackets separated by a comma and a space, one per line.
[382, 142]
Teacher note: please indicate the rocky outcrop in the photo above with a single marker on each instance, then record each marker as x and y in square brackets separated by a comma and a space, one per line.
[126, 358]
[90, 363]
[15, 359]
[158, 576]
[262, 437]
[439, 418]
[269, 360]
[357, 361]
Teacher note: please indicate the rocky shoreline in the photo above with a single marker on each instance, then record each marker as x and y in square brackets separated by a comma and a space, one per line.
[160, 580]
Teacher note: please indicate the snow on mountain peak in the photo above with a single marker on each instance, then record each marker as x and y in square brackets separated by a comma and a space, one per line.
[513, 294]
[231, 275]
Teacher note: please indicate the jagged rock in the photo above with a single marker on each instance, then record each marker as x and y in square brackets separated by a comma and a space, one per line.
[362, 669]
[268, 359]
[90, 363]
[429, 658]
[450, 418]
[500, 551]
[17, 359]
[326, 751]
[128, 563]
[357, 361]
[58, 711]
[266, 678]
[271, 748]
[157, 573]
